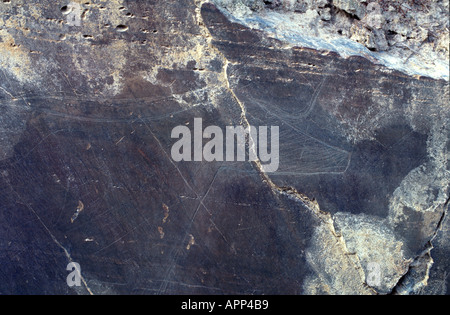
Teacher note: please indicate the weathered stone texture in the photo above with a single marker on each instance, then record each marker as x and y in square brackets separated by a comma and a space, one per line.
[89, 94]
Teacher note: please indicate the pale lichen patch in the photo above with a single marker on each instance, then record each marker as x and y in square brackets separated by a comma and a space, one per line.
[375, 244]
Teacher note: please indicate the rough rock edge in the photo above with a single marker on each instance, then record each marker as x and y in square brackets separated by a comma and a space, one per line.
[326, 218]
[418, 272]
[281, 24]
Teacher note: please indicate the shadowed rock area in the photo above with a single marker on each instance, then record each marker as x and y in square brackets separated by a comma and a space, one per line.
[89, 96]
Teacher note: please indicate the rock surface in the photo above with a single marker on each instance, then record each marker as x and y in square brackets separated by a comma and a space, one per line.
[90, 92]
[408, 35]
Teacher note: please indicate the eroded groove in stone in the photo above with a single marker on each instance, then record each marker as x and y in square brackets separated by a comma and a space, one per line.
[89, 95]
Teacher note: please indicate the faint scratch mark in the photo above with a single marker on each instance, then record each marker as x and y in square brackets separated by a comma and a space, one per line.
[47, 230]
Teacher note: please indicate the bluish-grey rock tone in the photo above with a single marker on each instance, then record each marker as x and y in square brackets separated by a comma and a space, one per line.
[89, 95]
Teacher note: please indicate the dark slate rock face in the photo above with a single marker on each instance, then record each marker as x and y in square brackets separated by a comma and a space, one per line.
[87, 175]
